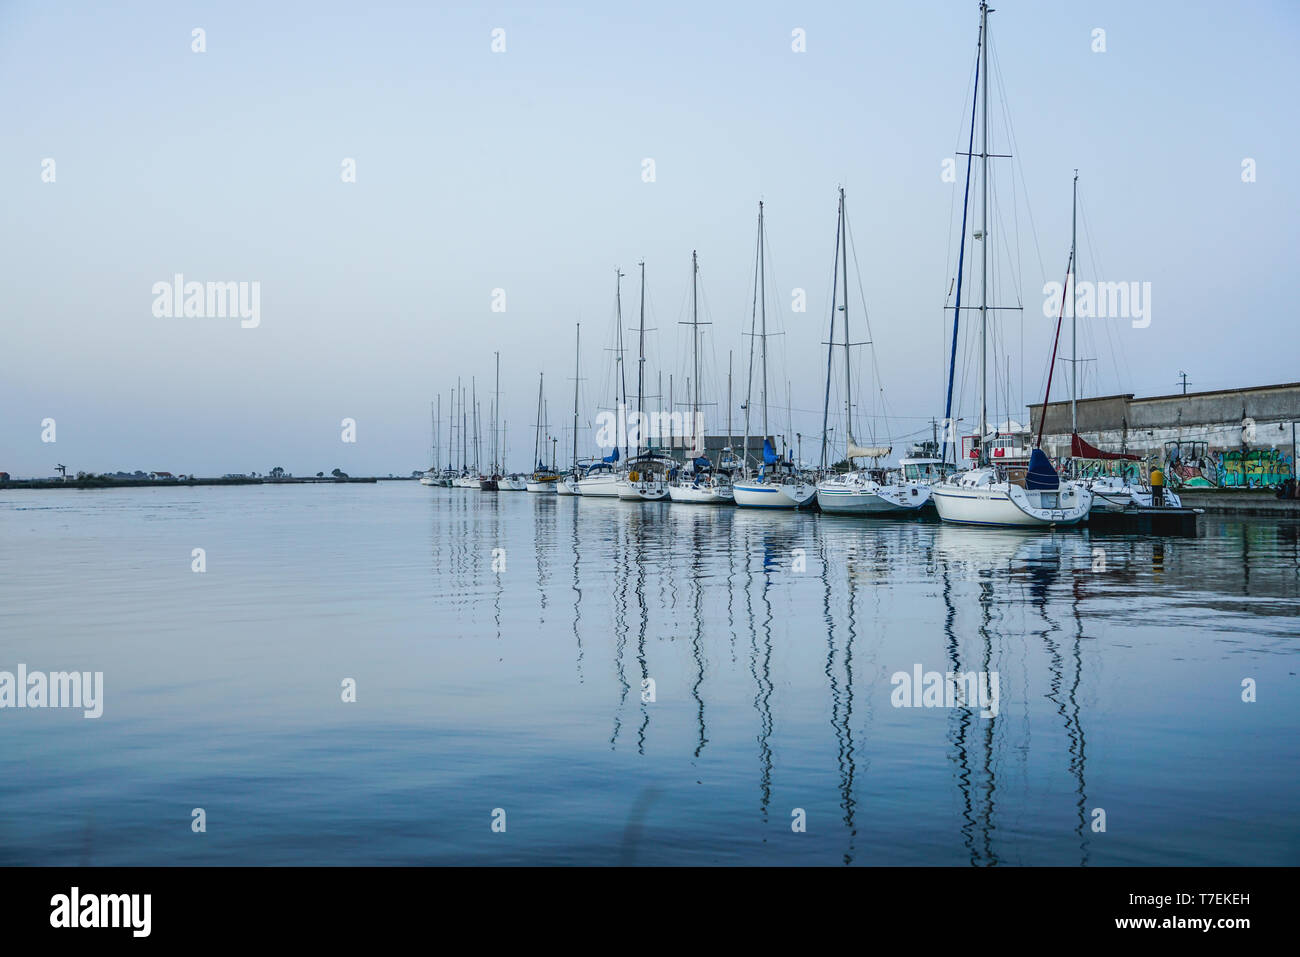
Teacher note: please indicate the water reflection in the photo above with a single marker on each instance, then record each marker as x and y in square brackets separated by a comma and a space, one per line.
[700, 596]
[771, 641]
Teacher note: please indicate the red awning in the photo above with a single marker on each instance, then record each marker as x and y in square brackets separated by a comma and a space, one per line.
[1080, 449]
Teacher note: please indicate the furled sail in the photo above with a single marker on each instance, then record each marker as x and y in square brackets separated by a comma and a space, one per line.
[856, 451]
[1041, 475]
[1081, 449]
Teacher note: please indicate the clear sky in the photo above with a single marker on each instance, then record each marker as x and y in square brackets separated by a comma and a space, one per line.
[523, 171]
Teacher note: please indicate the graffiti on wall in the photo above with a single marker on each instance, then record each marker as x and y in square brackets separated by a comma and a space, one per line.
[1192, 465]
[1253, 468]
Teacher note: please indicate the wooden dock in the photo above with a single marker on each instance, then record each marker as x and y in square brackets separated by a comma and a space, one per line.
[1146, 521]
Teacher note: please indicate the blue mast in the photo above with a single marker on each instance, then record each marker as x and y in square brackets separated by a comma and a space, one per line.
[961, 253]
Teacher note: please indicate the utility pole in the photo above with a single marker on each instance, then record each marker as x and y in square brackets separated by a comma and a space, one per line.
[1184, 375]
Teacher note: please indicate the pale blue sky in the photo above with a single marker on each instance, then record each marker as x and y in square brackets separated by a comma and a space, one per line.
[522, 171]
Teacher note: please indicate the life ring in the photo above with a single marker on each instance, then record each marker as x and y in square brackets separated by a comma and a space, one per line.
[633, 477]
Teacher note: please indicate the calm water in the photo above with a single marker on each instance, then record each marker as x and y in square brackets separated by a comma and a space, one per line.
[770, 639]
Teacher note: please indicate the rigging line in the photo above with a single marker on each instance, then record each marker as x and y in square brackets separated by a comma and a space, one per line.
[866, 318]
[1120, 360]
[1047, 395]
[1015, 152]
[1012, 262]
[753, 319]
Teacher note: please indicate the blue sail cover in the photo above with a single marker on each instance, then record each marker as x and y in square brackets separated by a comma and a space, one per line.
[612, 457]
[702, 463]
[769, 454]
[1041, 475]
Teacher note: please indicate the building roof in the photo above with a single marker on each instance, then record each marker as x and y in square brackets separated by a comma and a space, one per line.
[1129, 396]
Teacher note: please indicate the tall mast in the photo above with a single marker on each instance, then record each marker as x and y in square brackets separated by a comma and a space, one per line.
[848, 382]
[433, 414]
[1074, 295]
[473, 399]
[695, 332]
[753, 318]
[460, 389]
[695, 347]
[729, 399]
[830, 339]
[762, 308]
[496, 412]
[537, 434]
[640, 362]
[961, 259]
[984, 241]
[619, 405]
[577, 352]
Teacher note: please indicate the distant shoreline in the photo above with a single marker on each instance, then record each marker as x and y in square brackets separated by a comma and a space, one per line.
[157, 483]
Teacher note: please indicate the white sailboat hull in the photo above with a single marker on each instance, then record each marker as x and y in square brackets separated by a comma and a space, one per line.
[652, 491]
[702, 494]
[566, 486]
[543, 488]
[773, 494]
[598, 486]
[1003, 504]
[840, 498]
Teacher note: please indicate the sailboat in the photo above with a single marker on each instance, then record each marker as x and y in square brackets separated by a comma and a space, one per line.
[490, 482]
[644, 476]
[512, 481]
[543, 479]
[869, 491]
[992, 494]
[599, 478]
[777, 484]
[431, 475]
[701, 483]
[568, 483]
[465, 477]
[1111, 492]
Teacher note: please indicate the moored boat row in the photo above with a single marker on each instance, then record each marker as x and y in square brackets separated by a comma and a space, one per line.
[999, 476]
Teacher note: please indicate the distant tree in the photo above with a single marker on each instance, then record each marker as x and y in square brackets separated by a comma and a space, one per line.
[339, 474]
[320, 474]
[277, 472]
